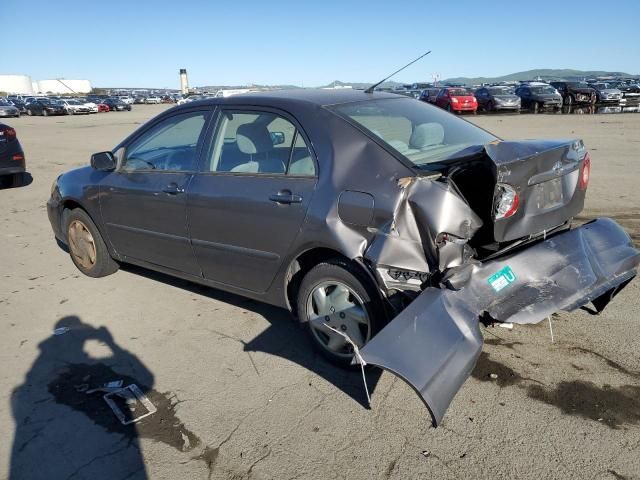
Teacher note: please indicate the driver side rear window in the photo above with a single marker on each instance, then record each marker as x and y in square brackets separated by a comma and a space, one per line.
[253, 142]
[168, 146]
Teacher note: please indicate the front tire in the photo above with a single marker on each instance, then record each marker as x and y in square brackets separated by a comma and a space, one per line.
[45, 113]
[568, 100]
[337, 294]
[86, 247]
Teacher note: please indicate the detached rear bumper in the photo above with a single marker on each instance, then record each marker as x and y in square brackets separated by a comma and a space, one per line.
[435, 342]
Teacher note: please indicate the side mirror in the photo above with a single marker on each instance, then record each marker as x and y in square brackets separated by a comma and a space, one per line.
[103, 161]
[277, 138]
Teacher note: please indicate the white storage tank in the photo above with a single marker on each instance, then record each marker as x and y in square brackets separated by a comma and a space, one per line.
[19, 84]
[64, 85]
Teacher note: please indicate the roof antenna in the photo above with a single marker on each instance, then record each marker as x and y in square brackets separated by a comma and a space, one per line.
[373, 87]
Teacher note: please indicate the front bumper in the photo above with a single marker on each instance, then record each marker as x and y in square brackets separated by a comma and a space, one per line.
[435, 342]
[505, 106]
[464, 108]
[54, 212]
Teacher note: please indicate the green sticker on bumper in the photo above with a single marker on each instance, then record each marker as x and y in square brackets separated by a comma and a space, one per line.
[502, 278]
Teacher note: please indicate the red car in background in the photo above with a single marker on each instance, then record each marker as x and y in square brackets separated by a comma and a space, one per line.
[457, 99]
[102, 107]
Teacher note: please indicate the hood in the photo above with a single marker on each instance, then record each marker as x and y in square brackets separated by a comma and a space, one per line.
[507, 98]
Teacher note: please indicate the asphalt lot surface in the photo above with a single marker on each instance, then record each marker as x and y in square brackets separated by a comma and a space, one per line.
[240, 394]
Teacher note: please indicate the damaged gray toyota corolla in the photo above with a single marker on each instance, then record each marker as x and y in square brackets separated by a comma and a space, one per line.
[377, 220]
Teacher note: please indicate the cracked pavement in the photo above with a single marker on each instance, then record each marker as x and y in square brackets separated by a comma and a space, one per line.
[239, 393]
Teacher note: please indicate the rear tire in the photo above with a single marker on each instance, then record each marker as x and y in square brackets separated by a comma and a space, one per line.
[337, 294]
[87, 249]
[29, 112]
[45, 113]
[568, 100]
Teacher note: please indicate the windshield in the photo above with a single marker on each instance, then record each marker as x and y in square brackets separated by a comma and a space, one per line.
[500, 91]
[577, 85]
[459, 92]
[543, 90]
[421, 133]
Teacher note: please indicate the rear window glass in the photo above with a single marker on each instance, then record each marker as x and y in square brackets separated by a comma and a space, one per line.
[421, 133]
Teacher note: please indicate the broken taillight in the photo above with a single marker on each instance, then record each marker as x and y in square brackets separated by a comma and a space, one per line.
[506, 201]
[585, 172]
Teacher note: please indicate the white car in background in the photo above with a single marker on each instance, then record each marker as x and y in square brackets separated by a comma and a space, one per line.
[73, 107]
[126, 99]
[93, 107]
[153, 99]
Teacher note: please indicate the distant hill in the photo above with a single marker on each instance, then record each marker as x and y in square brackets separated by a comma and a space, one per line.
[543, 73]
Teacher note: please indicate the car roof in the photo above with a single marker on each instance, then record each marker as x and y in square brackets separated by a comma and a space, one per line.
[317, 97]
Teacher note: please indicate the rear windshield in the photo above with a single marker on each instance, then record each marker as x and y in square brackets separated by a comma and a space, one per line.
[423, 134]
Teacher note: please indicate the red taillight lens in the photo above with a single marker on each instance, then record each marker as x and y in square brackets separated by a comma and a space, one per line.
[585, 172]
[17, 157]
[507, 201]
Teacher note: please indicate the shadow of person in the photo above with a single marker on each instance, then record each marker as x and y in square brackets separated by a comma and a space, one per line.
[284, 337]
[51, 439]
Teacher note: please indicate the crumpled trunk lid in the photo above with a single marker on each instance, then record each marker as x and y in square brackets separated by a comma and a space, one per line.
[434, 343]
[546, 176]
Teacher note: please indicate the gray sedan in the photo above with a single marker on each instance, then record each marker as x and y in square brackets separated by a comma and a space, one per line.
[8, 110]
[390, 228]
[497, 98]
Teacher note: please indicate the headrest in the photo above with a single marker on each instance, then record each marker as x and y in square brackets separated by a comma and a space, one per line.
[253, 138]
[426, 135]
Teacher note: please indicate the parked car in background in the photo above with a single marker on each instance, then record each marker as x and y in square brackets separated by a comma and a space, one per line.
[139, 99]
[605, 93]
[429, 94]
[19, 104]
[102, 107]
[93, 106]
[630, 90]
[575, 92]
[126, 99]
[8, 109]
[443, 226]
[116, 105]
[457, 99]
[74, 107]
[536, 96]
[12, 161]
[497, 98]
[153, 99]
[45, 107]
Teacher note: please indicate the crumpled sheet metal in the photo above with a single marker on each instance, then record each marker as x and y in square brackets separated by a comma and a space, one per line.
[435, 342]
[425, 208]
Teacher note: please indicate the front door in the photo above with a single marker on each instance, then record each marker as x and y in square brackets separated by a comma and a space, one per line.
[249, 200]
[143, 203]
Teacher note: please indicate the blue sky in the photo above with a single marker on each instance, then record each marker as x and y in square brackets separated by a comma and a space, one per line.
[144, 43]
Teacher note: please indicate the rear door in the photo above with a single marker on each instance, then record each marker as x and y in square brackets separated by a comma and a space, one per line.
[249, 200]
[143, 203]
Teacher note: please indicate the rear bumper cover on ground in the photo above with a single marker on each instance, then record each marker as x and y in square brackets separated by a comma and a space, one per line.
[435, 342]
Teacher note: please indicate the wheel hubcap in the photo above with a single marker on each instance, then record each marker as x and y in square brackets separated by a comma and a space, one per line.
[338, 306]
[81, 244]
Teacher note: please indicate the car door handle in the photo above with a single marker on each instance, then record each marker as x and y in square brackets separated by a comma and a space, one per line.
[285, 196]
[173, 189]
